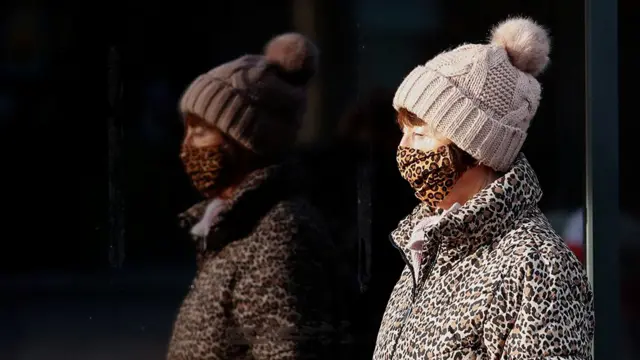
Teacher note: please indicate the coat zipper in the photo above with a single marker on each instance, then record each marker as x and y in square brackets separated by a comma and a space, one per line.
[413, 290]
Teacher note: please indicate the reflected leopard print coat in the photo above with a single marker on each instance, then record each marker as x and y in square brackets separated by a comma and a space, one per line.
[489, 280]
[265, 285]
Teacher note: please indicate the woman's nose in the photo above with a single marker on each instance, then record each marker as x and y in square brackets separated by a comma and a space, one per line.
[187, 137]
[406, 140]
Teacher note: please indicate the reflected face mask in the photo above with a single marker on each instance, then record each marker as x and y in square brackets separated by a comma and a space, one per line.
[205, 166]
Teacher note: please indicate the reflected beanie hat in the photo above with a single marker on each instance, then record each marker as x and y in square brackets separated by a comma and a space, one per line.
[482, 97]
[257, 100]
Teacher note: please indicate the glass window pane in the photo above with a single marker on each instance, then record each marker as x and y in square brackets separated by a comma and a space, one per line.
[101, 264]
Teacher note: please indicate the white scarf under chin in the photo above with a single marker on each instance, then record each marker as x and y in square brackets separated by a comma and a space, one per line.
[213, 209]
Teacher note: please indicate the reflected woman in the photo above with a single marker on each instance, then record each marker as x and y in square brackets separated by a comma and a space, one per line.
[264, 287]
[486, 275]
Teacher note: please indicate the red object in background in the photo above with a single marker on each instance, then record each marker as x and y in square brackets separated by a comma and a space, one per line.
[578, 250]
[573, 234]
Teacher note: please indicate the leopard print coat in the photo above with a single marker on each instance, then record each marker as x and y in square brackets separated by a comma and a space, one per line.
[265, 284]
[494, 281]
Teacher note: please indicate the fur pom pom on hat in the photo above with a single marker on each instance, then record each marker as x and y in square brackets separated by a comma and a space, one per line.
[257, 100]
[482, 97]
[526, 42]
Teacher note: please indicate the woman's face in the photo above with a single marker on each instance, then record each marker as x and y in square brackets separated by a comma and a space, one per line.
[199, 134]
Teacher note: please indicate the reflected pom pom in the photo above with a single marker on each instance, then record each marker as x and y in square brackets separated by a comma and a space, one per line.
[293, 52]
[526, 42]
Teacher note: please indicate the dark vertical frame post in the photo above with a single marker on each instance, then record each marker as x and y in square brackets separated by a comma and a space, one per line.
[365, 186]
[116, 226]
[602, 172]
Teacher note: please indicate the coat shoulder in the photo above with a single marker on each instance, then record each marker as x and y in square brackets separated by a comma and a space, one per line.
[290, 219]
[534, 247]
[534, 237]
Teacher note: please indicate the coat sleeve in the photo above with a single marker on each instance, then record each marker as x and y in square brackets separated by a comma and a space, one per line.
[282, 299]
[542, 310]
[202, 324]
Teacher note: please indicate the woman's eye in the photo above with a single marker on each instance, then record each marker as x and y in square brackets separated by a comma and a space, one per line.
[418, 134]
[198, 130]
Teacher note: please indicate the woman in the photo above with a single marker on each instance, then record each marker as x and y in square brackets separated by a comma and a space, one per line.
[486, 275]
[264, 287]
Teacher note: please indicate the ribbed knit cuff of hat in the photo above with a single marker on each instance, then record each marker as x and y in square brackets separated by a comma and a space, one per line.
[440, 103]
[220, 105]
[230, 111]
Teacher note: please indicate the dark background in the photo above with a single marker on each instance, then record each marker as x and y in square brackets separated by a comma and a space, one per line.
[59, 291]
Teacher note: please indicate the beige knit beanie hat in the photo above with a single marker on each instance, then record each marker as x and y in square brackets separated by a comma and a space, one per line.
[258, 100]
[482, 97]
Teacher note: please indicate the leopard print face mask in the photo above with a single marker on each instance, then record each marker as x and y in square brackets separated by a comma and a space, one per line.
[432, 173]
[205, 167]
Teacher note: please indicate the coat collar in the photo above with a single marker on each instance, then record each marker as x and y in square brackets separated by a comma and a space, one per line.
[235, 217]
[486, 217]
